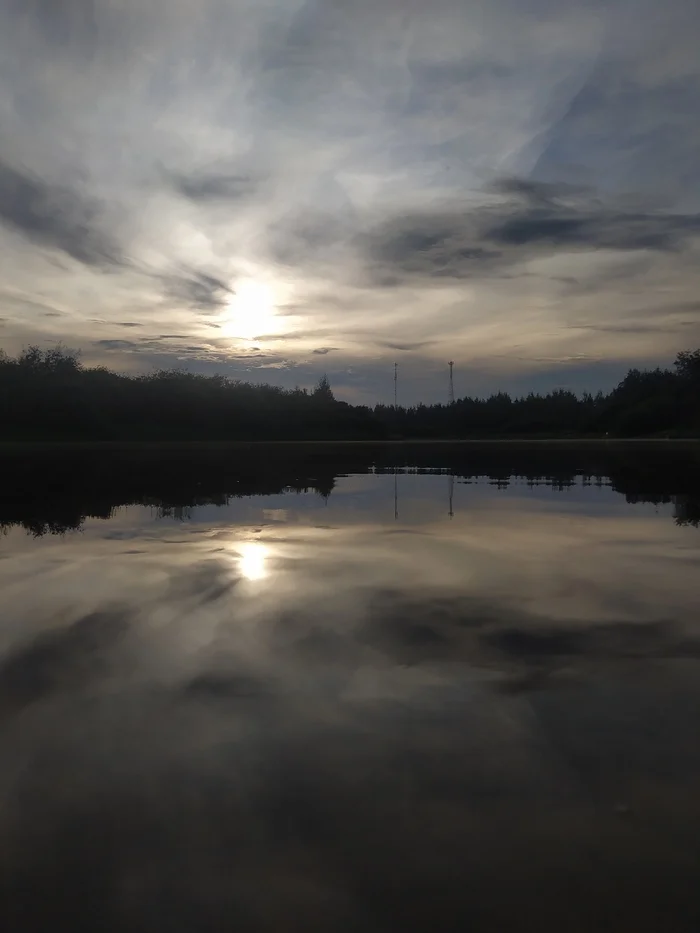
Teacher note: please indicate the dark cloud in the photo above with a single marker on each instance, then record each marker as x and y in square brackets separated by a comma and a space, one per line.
[116, 344]
[61, 22]
[198, 290]
[160, 351]
[128, 324]
[157, 345]
[536, 220]
[215, 187]
[603, 229]
[425, 244]
[648, 321]
[406, 345]
[292, 335]
[322, 351]
[538, 192]
[55, 217]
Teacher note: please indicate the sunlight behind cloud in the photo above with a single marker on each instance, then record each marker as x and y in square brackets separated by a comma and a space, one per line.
[251, 311]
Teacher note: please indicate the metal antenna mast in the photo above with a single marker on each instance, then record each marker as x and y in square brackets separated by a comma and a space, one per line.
[452, 383]
[396, 380]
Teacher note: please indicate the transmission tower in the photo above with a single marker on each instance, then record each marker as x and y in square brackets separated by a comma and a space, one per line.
[396, 381]
[452, 383]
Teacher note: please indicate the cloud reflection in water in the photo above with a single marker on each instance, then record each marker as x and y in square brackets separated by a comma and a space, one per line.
[416, 719]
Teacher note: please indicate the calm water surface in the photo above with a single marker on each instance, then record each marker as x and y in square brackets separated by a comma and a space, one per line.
[457, 695]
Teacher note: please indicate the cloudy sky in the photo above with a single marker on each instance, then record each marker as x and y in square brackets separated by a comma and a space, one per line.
[274, 188]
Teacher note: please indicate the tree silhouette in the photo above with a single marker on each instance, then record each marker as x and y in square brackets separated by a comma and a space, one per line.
[323, 391]
[50, 395]
[688, 365]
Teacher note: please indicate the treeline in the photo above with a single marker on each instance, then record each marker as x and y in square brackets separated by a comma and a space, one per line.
[646, 403]
[49, 395]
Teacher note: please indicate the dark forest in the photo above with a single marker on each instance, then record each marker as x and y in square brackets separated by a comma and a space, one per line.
[48, 395]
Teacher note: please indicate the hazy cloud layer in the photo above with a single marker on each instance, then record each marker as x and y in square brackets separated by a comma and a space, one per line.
[294, 187]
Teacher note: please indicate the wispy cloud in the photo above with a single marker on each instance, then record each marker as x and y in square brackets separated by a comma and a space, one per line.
[536, 220]
[503, 186]
[56, 217]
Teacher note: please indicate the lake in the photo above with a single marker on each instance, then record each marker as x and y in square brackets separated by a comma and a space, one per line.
[359, 688]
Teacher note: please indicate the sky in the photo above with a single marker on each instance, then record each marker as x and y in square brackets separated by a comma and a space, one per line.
[275, 189]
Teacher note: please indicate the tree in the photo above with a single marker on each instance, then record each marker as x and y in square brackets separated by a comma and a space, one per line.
[688, 365]
[688, 371]
[323, 391]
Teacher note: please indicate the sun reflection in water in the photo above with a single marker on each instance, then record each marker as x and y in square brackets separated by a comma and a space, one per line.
[252, 560]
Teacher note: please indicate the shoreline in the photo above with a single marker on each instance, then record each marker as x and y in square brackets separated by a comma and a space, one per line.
[27, 446]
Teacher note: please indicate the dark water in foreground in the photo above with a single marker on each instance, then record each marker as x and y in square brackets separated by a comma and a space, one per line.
[361, 691]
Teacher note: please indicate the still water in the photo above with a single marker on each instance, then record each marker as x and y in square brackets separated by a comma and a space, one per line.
[440, 689]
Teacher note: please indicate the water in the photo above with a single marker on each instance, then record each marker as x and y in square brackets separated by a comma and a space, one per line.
[372, 689]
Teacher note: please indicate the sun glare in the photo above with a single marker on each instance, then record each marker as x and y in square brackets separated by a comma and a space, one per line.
[252, 558]
[251, 311]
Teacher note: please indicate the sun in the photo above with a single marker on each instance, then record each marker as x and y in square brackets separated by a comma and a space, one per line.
[251, 311]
